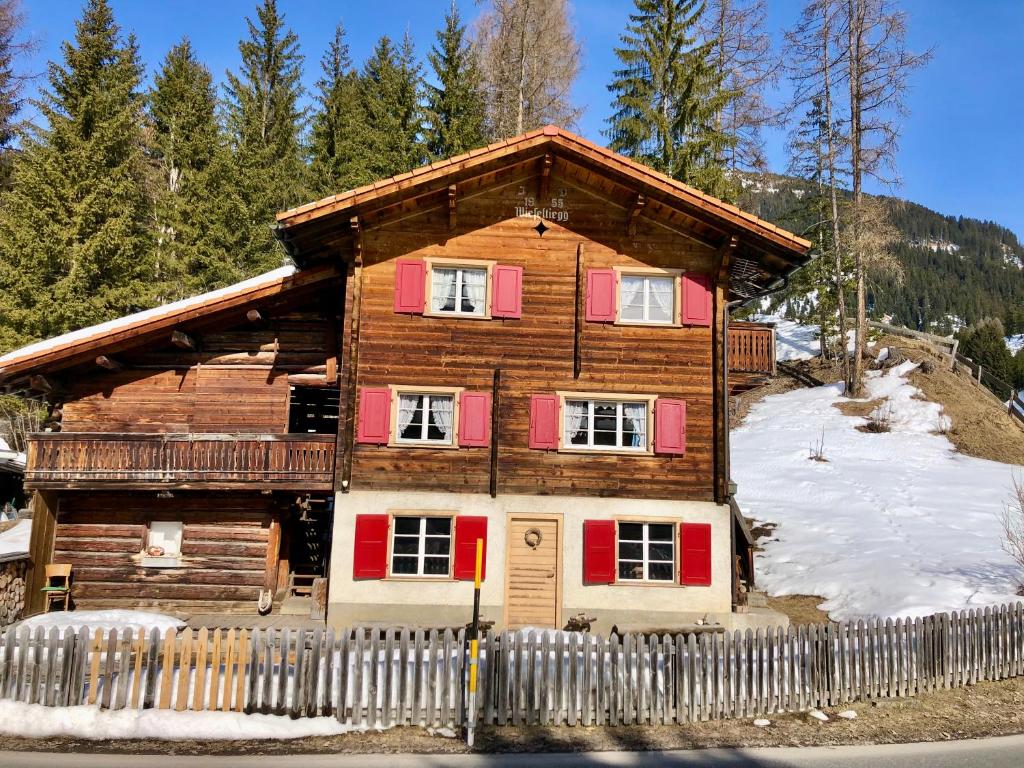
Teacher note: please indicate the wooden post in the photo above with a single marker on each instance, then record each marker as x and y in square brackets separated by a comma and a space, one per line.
[40, 549]
[347, 436]
[495, 387]
[720, 396]
[577, 355]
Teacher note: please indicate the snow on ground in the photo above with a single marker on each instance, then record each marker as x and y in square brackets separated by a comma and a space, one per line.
[795, 341]
[1015, 343]
[892, 524]
[14, 541]
[37, 721]
[105, 620]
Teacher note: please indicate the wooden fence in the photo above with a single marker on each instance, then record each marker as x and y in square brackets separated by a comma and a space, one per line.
[1016, 406]
[398, 677]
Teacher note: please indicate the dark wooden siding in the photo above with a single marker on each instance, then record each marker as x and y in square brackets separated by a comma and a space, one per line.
[535, 353]
[225, 544]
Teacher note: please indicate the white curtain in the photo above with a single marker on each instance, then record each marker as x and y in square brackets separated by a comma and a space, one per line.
[631, 297]
[474, 288]
[574, 412]
[636, 414]
[662, 290]
[442, 289]
[441, 409]
[406, 408]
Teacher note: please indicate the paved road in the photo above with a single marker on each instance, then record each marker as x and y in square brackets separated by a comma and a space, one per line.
[1004, 752]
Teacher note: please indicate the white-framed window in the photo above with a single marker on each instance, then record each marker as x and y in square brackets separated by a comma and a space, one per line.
[459, 290]
[421, 545]
[648, 298]
[425, 418]
[601, 425]
[646, 551]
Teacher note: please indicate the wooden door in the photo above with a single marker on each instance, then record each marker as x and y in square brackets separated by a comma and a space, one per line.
[533, 589]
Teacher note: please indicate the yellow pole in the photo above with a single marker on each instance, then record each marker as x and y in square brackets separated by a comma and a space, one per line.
[474, 644]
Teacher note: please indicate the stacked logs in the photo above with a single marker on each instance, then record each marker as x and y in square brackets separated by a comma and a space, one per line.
[12, 591]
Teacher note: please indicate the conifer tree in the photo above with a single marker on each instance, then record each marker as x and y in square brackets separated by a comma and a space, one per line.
[390, 98]
[338, 158]
[73, 228]
[455, 106]
[198, 212]
[668, 94]
[265, 123]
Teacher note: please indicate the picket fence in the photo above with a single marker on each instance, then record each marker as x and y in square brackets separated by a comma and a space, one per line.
[398, 677]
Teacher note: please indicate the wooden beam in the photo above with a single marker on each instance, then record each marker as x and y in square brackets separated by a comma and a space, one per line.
[577, 336]
[347, 435]
[495, 388]
[451, 206]
[545, 177]
[357, 239]
[254, 316]
[42, 384]
[183, 340]
[40, 549]
[634, 213]
[109, 363]
[724, 256]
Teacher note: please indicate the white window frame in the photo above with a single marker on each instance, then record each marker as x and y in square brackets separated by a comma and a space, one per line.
[645, 543]
[604, 397]
[460, 265]
[176, 529]
[397, 440]
[647, 273]
[421, 537]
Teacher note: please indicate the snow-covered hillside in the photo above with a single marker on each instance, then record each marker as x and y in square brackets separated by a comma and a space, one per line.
[1015, 343]
[891, 524]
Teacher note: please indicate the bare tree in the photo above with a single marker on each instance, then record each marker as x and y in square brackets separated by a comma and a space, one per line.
[18, 419]
[742, 51]
[529, 59]
[1012, 519]
[12, 82]
[879, 66]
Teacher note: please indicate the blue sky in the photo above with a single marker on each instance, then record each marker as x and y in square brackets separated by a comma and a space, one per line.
[961, 147]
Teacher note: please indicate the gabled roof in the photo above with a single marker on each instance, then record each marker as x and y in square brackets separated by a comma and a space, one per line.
[132, 329]
[293, 223]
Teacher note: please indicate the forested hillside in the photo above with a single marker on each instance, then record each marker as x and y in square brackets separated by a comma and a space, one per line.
[956, 270]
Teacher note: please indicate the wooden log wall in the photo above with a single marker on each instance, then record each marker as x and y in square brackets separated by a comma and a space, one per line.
[536, 354]
[237, 380]
[228, 548]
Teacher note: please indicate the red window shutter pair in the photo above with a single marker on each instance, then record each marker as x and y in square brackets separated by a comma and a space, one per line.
[669, 424]
[374, 425]
[411, 281]
[599, 541]
[602, 285]
[370, 547]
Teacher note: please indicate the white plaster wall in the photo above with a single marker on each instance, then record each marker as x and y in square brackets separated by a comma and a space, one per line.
[606, 599]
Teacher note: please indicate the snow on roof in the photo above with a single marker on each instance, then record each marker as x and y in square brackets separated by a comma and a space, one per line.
[14, 541]
[127, 321]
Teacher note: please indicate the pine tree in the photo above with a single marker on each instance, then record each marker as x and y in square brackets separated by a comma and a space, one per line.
[73, 229]
[198, 212]
[338, 147]
[390, 98]
[265, 123]
[668, 94]
[455, 106]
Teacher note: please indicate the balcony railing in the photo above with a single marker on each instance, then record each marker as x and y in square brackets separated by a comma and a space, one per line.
[123, 460]
[751, 348]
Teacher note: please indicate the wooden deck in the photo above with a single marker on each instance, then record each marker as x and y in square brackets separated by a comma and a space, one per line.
[184, 460]
[751, 355]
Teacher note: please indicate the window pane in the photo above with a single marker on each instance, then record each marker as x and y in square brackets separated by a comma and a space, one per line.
[630, 570]
[440, 419]
[404, 565]
[631, 550]
[437, 545]
[631, 531]
[474, 291]
[406, 545]
[435, 566]
[659, 532]
[442, 289]
[605, 424]
[631, 297]
[410, 417]
[577, 421]
[660, 572]
[660, 551]
[407, 525]
[439, 526]
[634, 425]
[661, 304]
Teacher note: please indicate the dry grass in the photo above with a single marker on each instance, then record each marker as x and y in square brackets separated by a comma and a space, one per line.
[801, 609]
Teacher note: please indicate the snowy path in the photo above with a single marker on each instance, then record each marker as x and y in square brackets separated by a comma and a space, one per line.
[892, 524]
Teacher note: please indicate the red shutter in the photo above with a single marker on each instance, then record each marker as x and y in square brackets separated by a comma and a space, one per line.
[601, 295]
[544, 422]
[467, 530]
[410, 283]
[370, 550]
[506, 291]
[696, 299]
[374, 415]
[475, 419]
[695, 554]
[669, 426]
[598, 551]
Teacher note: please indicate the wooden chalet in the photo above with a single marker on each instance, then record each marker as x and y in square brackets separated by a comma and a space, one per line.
[528, 344]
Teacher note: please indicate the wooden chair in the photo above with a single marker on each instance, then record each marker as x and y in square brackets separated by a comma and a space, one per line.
[58, 585]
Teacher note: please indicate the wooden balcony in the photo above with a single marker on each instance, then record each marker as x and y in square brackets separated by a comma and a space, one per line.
[151, 461]
[751, 354]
